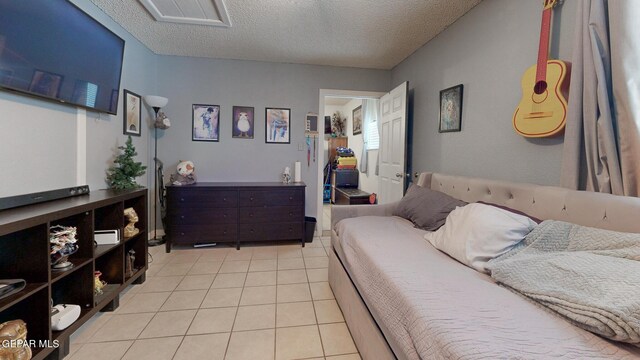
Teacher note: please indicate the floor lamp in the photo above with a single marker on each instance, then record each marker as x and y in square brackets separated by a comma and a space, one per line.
[161, 122]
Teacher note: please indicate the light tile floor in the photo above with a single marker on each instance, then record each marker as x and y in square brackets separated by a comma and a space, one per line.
[261, 302]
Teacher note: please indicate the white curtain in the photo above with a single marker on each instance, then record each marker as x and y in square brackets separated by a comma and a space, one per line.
[625, 63]
[370, 114]
[602, 142]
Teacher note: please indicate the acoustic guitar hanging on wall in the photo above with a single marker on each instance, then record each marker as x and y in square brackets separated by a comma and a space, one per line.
[542, 111]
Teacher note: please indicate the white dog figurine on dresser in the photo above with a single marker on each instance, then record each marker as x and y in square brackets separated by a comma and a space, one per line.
[185, 173]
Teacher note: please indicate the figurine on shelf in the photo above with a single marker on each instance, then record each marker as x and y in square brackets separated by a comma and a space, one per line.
[130, 230]
[98, 284]
[286, 176]
[63, 244]
[129, 268]
[185, 174]
[14, 333]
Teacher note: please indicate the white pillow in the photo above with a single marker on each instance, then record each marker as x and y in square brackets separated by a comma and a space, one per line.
[477, 233]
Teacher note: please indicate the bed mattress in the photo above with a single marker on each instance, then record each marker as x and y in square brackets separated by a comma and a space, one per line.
[429, 306]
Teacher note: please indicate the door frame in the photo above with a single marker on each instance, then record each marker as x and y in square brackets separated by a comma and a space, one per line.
[322, 95]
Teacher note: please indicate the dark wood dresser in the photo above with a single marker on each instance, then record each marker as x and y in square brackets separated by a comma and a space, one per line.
[234, 212]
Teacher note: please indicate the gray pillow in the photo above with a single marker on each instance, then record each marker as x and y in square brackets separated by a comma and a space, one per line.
[427, 209]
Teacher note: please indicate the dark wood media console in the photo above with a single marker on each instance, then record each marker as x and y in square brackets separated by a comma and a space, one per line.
[234, 212]
[24, 254]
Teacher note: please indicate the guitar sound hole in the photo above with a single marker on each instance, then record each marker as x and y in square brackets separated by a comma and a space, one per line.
[540, 88]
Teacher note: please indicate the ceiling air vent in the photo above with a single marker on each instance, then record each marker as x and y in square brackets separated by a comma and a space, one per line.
[199, 12]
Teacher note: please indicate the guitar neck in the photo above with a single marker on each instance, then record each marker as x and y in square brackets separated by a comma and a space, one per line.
[543, 51]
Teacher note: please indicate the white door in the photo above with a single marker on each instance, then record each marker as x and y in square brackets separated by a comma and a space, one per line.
[393, 140]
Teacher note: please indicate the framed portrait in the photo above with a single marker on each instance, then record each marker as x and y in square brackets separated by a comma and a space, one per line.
[243, 122]
[46, 83]
[451, 109]
[356, 116]
[205, 121]
[277, 126]
[132, 113]
[327, 126]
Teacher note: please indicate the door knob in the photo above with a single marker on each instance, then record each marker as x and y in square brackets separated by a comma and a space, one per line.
[398, 175]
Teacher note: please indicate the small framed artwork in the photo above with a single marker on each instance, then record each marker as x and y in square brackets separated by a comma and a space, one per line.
[356, 116]
[311, 124]
[451, 109]
[327, 125]
[277, 126]
[243, 122]
[132, 113]
[46, 83]
[205, 120]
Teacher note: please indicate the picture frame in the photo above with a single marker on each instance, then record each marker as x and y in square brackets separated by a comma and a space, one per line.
[46, 83]
[327, 126]
[277, 125]
[132, 114]
[356, 120]
[205, 122]
[311, 124]
[451, 109]
[243, 122]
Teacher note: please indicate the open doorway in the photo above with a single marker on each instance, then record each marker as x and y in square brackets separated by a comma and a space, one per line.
[347, 174]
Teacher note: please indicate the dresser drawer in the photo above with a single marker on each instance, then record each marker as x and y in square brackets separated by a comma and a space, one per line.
[197, 216]
[271, 231]
[253, 215]
[210, 233]
[202, 198]
[271, 197]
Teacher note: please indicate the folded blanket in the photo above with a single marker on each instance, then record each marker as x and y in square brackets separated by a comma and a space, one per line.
[590, 276]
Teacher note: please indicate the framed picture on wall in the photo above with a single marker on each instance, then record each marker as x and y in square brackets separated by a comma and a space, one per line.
[205, 121]
[356, 116]
[132, 113]
[46, 83]
[243, 122]
[277, 126]
[451, 109]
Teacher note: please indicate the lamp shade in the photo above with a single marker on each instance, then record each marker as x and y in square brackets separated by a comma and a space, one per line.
[156, 101]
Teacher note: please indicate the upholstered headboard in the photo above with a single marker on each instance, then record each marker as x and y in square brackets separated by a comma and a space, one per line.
[599, 210]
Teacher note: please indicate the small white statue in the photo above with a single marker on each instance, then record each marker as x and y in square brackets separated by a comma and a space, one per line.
[286, 176]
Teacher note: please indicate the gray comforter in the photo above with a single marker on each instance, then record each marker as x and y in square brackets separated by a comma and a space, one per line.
[590, 276]
[429, 306]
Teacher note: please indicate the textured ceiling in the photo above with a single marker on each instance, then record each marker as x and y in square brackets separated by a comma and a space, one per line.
[356, 33]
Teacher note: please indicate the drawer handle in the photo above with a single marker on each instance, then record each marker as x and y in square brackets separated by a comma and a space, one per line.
[251, 231]
[290, 198]
[224, 215]
[182, 217]
[224, 199]
[290, 229]
[251, 198]
[224, 232]
[181, 199]
[182, 234]
[290, 214]
[251, 215]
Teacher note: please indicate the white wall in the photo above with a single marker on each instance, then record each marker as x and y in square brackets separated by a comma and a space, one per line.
[487, 50]
[45, 141]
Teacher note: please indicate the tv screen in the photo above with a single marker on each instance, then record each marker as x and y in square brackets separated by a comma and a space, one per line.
[52, 49]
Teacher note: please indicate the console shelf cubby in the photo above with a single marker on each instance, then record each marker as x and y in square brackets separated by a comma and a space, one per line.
[24, 254]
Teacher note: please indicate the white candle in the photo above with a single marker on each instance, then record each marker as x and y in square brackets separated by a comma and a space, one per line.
[298, 173]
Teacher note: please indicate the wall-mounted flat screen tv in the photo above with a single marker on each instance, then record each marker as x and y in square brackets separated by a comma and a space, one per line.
[54, 50]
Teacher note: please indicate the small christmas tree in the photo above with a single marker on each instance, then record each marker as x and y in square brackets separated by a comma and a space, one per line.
[125, 171]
